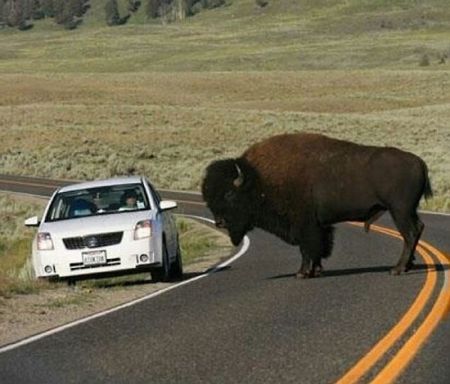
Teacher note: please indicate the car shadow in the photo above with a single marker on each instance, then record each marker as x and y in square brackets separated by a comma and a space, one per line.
[416, 269]
[216, 269]
[145, 280]
[149, 281]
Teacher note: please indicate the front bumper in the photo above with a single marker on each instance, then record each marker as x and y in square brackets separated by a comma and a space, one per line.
[123, 257]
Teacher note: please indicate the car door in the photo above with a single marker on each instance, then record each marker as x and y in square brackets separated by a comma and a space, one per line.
[167, 222]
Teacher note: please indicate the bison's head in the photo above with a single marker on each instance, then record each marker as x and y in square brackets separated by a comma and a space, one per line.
[228, 189]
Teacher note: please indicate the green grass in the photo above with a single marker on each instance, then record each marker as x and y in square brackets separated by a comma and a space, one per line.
[199, 241]
[15, 248]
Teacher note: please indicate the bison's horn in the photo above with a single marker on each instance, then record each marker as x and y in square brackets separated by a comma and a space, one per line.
[240, 179]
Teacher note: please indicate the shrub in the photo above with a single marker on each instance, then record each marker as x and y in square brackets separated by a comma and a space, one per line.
[2, 20]
[69, 12]
[210, 4]
[262, 3]
[152, 8]
[37, 11]
[133, 5]
[16, 13]
[195, 6]
[112, 14]
[425, 60]
[47, 8]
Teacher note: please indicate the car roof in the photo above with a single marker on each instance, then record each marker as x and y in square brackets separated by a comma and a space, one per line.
[102, 183]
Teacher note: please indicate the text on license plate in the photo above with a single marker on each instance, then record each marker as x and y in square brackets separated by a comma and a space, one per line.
[94, 257]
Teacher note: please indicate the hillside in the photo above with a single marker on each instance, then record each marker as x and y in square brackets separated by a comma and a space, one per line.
[284, 35]
[165, 100]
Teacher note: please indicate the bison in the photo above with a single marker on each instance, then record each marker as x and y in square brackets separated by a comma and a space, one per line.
[297, 186]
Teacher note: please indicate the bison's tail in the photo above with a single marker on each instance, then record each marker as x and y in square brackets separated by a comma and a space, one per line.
[427, 191]
[328, 241]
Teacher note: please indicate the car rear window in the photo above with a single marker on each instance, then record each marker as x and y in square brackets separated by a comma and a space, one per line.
[98, 201]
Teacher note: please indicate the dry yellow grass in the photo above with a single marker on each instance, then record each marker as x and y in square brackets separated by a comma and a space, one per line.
[170, 126]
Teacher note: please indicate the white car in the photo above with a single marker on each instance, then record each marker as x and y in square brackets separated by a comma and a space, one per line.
[105, 227]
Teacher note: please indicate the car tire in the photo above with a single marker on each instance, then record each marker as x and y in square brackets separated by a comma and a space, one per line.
[163, 273]
[177, 265]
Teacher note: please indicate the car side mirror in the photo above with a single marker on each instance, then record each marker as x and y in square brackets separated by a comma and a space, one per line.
[32, 222]
[166, 205]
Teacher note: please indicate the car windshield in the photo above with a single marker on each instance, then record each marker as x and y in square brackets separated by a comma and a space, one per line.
[98, 201]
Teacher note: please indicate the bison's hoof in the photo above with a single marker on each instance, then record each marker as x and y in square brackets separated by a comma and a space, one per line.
[309, 274]
[317, 270]
[303, 275]
[409, 266]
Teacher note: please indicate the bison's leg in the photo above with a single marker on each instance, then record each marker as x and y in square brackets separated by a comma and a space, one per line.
[315, 243]
[310, 266]
[305, 268]
[410, 227]
[372, 219]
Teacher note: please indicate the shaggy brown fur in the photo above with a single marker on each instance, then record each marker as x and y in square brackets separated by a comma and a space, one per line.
[298, 185]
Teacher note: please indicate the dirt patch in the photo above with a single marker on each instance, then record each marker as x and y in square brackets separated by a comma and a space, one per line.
[25, 315]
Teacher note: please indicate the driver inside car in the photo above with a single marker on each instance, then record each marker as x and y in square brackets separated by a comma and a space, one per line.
[129, 201]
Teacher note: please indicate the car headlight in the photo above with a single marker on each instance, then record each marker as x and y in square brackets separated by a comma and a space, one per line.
[44, 241]
[143, 229]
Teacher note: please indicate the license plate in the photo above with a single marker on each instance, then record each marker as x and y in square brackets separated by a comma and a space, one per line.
[94, 258]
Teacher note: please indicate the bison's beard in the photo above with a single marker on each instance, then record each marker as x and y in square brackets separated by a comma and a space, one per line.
[236, 237]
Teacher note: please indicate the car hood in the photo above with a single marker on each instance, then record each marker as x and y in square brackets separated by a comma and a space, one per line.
[123, 221]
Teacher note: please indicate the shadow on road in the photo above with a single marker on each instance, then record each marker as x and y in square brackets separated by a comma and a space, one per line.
[419, 268]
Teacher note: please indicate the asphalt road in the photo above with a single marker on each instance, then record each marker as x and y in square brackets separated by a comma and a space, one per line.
[253, 322]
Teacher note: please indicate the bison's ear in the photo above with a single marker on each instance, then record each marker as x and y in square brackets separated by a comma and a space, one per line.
[244, 176]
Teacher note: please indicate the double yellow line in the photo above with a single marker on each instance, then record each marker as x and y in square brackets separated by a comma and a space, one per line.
[410, 348]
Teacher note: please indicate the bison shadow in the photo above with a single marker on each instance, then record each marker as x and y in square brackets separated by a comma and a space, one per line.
[419, 268]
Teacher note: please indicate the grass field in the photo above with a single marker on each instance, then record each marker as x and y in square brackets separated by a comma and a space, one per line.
[15, 246]
[165, 100]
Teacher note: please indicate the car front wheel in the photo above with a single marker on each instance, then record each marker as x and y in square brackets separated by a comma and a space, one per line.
[162, 273]
[177, 265]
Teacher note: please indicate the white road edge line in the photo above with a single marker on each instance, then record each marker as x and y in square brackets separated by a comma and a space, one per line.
[434, 213]
[61, 328]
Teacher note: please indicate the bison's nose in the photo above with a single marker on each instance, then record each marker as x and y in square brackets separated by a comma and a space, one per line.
[220, 223]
